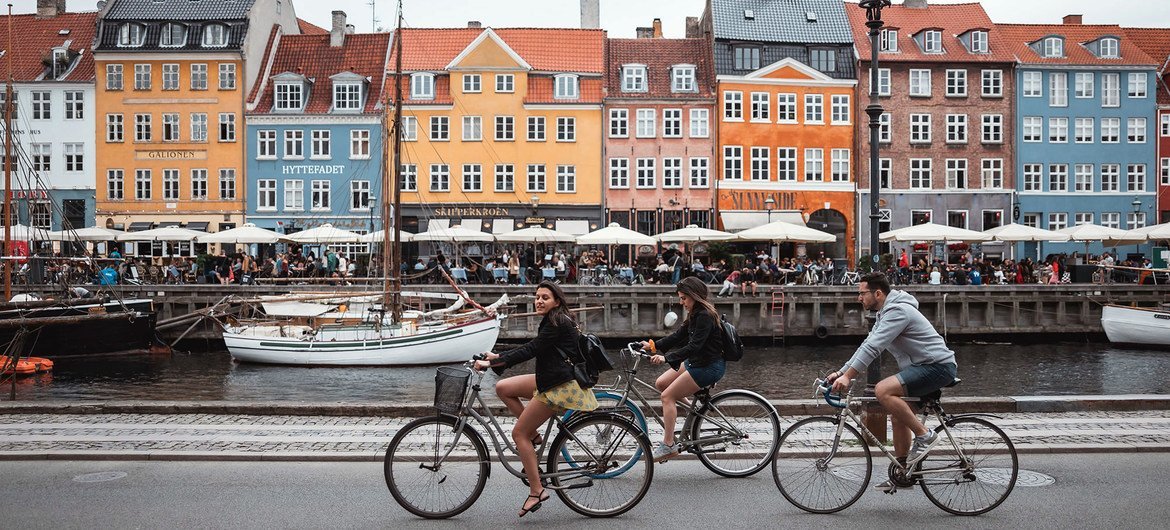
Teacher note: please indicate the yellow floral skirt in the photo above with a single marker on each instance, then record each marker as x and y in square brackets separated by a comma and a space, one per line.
[567, 396]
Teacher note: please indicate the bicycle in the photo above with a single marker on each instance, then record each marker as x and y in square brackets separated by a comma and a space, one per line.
[734, 433]
[849, 278]
[823, 464]
[444, 460]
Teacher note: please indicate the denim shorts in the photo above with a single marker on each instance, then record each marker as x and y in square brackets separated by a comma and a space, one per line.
[921, 379]
[706, 376]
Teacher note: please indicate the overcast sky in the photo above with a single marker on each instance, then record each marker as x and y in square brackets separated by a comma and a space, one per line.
[620, 17]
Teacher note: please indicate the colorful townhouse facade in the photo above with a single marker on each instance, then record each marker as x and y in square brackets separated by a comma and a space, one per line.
[172, 76]
[945, 143]
[502, 128]
[659, 138]
[785, 127]
[315, 131]
[53, 116]
[1156, 43]
[1086, 129]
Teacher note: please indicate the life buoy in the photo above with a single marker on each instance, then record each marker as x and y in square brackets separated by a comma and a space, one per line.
[821, 332]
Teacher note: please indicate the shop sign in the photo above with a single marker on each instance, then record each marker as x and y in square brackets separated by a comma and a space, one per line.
[471, 211]
[170, 154]
[533, 220]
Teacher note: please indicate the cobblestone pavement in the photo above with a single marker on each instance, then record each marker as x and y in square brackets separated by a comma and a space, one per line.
[244, 437]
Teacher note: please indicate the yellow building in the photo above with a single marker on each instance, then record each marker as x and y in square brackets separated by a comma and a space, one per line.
[501, 129]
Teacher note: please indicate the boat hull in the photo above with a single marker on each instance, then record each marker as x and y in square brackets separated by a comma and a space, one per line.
[1127, 325]
[74, 336]
[441, 346]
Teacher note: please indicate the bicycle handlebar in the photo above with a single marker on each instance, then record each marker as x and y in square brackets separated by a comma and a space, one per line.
[635, 348]
[823, 388]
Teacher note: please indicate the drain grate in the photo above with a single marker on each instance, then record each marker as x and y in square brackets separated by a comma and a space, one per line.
[104, 476]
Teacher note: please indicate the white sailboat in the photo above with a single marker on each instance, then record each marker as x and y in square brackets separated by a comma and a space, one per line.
[1136, 325]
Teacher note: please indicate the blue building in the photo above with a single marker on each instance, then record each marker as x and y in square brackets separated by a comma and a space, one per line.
[314, 132]
[1086, 129]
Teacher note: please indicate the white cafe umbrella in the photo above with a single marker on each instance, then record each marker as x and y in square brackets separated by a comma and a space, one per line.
[92, 233]
[1017, 232]
[694, 234]
[781, 231]
[325, 233]
[169, 233]
[614, 234]
[247, 234]
[1149, 233]
[535, 234]
[1091, 232]
[453, 234]
[933, 232]
[21, 232]
[377, 235]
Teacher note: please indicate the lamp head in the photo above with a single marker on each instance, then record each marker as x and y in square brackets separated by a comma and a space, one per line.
[873, 8]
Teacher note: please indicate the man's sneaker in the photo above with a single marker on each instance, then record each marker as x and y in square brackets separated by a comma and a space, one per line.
[920, 446]
[887, 487]
[663, 451]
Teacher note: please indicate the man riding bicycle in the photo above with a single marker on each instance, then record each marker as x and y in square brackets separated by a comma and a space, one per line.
[924, 361]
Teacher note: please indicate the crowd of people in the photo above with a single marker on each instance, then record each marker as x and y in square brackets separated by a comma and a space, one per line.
[1053, 269]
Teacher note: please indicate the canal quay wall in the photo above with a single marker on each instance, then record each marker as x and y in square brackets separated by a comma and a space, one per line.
[797, 313]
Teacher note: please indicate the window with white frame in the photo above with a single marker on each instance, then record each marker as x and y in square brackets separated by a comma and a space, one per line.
[322, 145]
[746, 57]
[634, 78]
[565, 87]
[1083, 177]
[1033, 177]
[785, 108]
[1033, 85]
[113, 77]
[170, 184]
[920, 173]
[567, 129]
[761, 163]
[1053, 47]
[289, 96]
[1082, 218]
[347, 96]
[359, 144]
[957, 218]
[115, 184]
[1107, 48]
[505, 83]
[979, 42]
[294, 195]
[131, 35]
[991, 173]
[472, 84]
[294, 144]
[472, 177]
[1135, 130]
[956, 128]
[814, 165]
[1110, 90]
[199, 127]
[884, 81]
[1137, 85]
[409, 126]
[215, 35]
[920, 83]
[840, 109]
[1111, 219]
[1058, 130]
[170, 122]
[1058, 89]
[142, 179]
[682, 78]
[992, 128]
[42, 108]
[227, 76]
[199, 184]
[885, 128]
[170, 76]
[700, 123]
[1165, 171]
[472, 128]
[839, 171]
[956, 173]
[1057, 220]
[1030, 219]
[619, 173]
[536, 178]
[114, 128]
[700, 172]
[645, 176]
[1165, 128]
[142, 128]
[619, 123]
[1085, 130]
[672, 173]
[888, 42]
[645, 123]
[505, 128]
[823, 60]
[1033, 128]
[919, 128]
[42, 156]
[672, 123]
[1135, 177]
[732, 105]
[320, 195]
[266, 195]
[505, 178]
[761, 110]
[1110, 177]
[932, 41]
[422, 86]
[732, 162]
[440, 128]
[566, 179]
[786, 164]
[1110, 130]
[918, 217]
[74, 157]
[814, 108]
[198, 76]
[1057, 177]
[409, 174]
[1135, 220]
[1085, 87]
[885, 173]
[536, 128]
[956, 83]
[227, 184]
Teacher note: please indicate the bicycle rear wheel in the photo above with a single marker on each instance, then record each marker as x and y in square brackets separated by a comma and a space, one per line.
[611, 403]
[818, 473]
[743, 429]
[434, 471]
[584, 455]
[974, 474]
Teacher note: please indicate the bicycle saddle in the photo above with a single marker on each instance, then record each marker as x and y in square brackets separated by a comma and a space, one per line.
[935, 396]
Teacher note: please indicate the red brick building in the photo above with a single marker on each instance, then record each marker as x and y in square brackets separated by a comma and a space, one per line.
[1156, 43]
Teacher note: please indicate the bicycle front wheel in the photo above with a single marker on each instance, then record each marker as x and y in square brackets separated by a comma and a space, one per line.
[819, 472]
[434, 471]
[583, 458]
[972, 472]
[737, 434]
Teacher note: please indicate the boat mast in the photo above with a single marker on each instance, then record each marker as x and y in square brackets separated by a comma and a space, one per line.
[391, 213]
[8, 165]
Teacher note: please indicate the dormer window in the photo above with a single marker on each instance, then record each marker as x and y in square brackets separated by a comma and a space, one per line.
[889, 40]
[566, 87]
[682, 78]
[932, 41]
[1053, 47]
[347, 96]
[173, 35]
[289, 96]
[979, 42]
[422, 86]
[60, 62]
[215, 35]
[131, 35]
[1109, 48]
[634, 78]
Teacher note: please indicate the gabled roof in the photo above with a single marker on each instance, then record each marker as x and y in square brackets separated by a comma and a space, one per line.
[489, 34]
[953, 20]
[35, 37]
[308, 28]
[800, 69]
[1019, 36]
[311, 56]
[179, 9]
[782, 21]
[1156, 43]
[659, 55]
[575, 50]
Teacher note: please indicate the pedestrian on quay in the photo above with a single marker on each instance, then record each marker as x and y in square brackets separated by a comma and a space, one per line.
[552, 390]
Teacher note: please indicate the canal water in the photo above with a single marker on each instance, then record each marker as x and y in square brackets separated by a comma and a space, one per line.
[776, 372]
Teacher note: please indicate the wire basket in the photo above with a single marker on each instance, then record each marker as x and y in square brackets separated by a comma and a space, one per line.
[450, 388]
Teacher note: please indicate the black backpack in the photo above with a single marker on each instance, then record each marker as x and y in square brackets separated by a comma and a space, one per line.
[732, 345]
[594, 353]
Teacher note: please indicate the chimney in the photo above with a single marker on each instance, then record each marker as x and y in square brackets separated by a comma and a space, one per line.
[658, 28]
[474, 24]
[644, 32]
[693, 31]
[337, 34]
[50, 8]
[590, 14]
[915, 4]
[1071, 20]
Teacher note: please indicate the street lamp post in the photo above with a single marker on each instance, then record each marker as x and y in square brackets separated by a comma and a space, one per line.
[769, 204]
[875, 419]
[1137, 208]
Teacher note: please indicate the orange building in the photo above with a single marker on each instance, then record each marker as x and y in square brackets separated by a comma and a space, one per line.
[785, 139]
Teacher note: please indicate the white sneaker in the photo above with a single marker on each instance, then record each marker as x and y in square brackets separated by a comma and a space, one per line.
[919, 448]
[663, 452]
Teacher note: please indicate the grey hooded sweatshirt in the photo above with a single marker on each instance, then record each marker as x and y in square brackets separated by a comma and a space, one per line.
[902, 330]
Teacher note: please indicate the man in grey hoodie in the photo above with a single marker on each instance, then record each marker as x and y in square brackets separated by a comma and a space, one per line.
[925, 362]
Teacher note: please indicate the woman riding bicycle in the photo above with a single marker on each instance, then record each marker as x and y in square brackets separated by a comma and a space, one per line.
[700, 345]
[552, 389]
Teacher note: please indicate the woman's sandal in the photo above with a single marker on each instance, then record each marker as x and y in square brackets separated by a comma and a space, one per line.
[539, 501]
[537, 440]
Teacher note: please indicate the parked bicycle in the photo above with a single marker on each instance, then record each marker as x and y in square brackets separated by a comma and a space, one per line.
[436, 467]
[823, 465]
[734, 433]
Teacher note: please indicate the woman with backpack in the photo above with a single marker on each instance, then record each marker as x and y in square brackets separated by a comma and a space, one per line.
[694, 352]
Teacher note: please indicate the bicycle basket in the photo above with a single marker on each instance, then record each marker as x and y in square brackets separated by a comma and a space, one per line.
[450, 388]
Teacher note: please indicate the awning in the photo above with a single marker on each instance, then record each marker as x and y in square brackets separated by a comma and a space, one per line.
[734, 221]
[198, 225]
[503, 226]
[577, 227]
[436, 224]
[168, 224]
[138, 226]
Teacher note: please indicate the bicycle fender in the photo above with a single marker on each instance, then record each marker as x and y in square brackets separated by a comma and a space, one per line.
[951, 420]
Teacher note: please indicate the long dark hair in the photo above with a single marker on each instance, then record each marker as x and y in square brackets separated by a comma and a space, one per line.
[560, 314]
[697, 290]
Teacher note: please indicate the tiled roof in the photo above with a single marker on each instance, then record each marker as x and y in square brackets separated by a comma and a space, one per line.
[308, 28]
[179, 9]
[1018, 36]
[782, 21]
[442, 90]
[313, 57]
[659, 55]
[953, 20]
[575, 50]
[108, 41]
[36, 38]
[273, 38]
[1156, 43]
[540, 90]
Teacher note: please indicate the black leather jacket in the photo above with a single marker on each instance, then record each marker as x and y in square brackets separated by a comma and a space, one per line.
[701, 341]
[551, 368]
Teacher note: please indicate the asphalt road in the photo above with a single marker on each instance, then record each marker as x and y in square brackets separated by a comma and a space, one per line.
[1090, 490]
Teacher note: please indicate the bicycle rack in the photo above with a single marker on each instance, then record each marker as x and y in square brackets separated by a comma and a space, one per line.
[779, 322]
